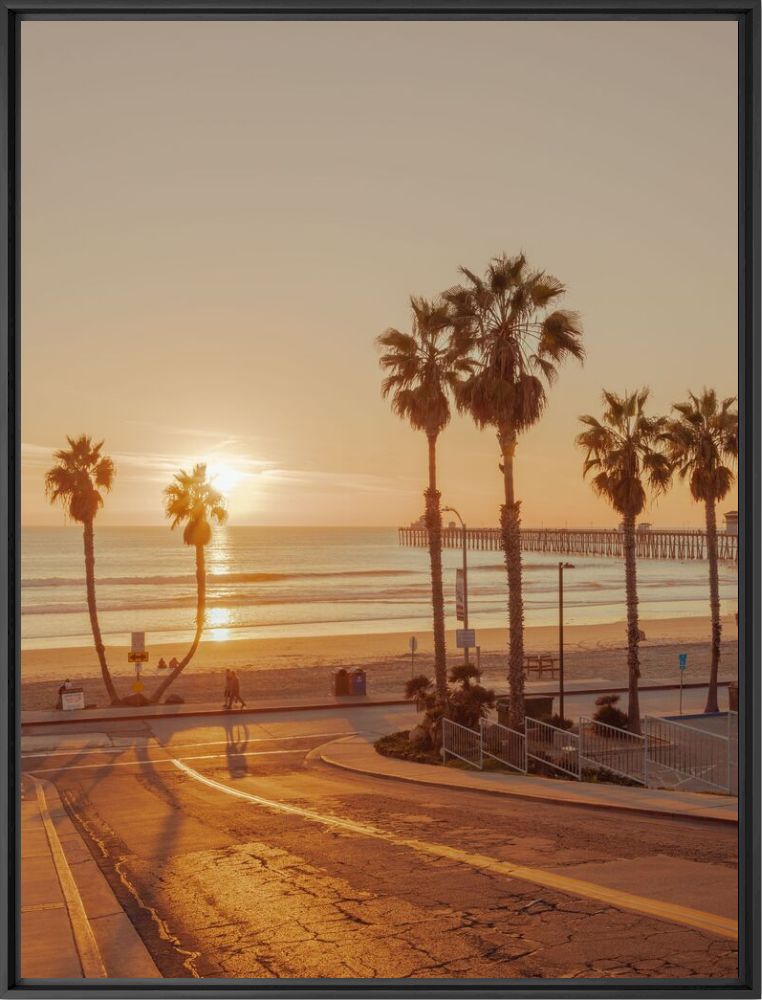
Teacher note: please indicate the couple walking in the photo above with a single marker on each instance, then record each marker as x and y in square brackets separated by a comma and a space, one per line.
[233, 690]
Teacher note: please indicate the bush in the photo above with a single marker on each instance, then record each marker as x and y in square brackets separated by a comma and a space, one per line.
[559, 723]
[608, 713]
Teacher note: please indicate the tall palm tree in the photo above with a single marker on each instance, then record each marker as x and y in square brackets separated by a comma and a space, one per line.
[519, 341]
[424, 369]
[76, 480]
[703, 445]
[192, 500]
[626, 452]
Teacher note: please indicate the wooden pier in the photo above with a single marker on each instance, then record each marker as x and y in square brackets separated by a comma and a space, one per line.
[584, 542]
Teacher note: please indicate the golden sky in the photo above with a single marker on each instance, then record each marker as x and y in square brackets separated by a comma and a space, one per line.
[219, 218]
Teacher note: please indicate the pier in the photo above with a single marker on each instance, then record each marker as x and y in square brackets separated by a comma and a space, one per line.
[665, 544]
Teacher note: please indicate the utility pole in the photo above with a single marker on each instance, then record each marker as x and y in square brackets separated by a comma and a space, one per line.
[464, 536]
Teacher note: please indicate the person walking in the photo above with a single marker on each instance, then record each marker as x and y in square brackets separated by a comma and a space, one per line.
[235, 690]
[228, 689]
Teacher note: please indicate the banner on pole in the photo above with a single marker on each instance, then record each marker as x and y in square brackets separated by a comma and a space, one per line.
[460, 602]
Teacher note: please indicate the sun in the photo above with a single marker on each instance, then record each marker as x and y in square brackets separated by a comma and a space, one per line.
[224, 476]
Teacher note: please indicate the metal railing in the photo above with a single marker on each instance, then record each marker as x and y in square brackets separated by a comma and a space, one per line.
[681, 756]
[555, 748]
[508, 746]
[613, 749]
[462, 742]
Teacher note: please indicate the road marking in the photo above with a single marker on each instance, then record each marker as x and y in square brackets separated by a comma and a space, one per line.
[87, 947]
[672, 912]
[160, 760]
[179, 746]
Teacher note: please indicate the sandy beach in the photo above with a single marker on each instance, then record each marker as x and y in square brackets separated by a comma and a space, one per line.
[301, 667]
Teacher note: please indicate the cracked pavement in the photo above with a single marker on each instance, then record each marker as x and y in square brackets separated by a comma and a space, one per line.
[221, 887]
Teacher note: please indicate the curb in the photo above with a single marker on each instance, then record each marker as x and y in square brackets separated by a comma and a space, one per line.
[107, 943]
[318, 753]
[90, 958]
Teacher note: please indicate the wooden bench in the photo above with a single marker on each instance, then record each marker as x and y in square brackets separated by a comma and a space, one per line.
[541, 665]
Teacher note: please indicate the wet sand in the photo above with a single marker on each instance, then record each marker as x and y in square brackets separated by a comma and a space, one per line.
[298, 668]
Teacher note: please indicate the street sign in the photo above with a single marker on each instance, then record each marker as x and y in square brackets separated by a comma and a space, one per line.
[460, 603]
[683, 660]
[137, 687]
[138, 644]
[137, 657]
[465, 638]
[413, 644]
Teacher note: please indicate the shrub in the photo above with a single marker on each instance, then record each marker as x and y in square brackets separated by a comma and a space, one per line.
[608, 713]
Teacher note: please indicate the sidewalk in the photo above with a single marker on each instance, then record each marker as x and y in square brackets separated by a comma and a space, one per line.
[88, 715]
[356, 753]
[72, 926]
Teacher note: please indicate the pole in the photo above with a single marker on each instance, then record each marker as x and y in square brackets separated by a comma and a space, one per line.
[681, 691]
[465, 588]
[412, 662]
[561, 640]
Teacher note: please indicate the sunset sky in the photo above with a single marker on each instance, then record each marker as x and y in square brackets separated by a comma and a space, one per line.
[219, 218]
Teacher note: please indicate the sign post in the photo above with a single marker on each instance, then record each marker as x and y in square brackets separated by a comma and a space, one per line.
[682, 659]
[465, 638]
[413, 647]
[137, 655]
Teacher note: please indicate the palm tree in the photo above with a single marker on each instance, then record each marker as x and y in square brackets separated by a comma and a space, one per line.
[424, 368]
[626, 453]
[76, 482]
[193, 501]
[519, 341]
[703, 445]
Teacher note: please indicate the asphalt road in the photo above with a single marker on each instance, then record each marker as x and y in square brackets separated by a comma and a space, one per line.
[237, 853]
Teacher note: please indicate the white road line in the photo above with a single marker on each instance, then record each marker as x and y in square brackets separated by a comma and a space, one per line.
[672, 912]
[154, 742]
[89, 954]
[160, 760]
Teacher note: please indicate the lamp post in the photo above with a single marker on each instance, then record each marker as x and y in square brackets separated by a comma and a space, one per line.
[452, 510]
[561, 567]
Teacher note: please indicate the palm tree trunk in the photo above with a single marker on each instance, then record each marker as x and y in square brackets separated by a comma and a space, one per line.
[200, 616]
[510, 526]
[434, 528]
[93, 611]
[633, 624]
[712, 704]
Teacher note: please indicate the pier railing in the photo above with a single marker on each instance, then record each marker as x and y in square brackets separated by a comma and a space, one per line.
[663, 544]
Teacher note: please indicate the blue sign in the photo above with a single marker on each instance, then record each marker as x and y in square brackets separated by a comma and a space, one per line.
[683, 660]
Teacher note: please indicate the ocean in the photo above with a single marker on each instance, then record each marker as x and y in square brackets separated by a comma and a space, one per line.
[283, 582]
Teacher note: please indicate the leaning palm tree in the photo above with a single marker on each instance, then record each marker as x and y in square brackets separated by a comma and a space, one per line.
[424, 369]
[519, 341]
[76, 482]
[192, 500]
[626, 452]
[703, 445]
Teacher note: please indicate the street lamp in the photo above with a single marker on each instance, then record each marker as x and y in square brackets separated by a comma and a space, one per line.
[561, 567]
[452, 510]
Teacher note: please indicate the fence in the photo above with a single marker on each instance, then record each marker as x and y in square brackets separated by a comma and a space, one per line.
[462, 742]
[614, 749]
[555, 748]
[680, 756]
[505, 745]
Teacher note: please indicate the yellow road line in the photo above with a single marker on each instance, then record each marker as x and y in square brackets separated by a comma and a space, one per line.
[710, 922]
[159, 760]
[89, 954]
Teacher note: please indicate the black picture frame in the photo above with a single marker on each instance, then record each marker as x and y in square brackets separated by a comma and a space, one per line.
[747, 15]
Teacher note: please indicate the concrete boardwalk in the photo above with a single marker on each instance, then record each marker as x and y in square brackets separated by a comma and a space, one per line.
[357, 753]
[72, 926]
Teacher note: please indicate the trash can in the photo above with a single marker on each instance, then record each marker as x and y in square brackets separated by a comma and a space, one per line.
[536, 706]
[733, 696]
[340, 681]
[357, 682]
